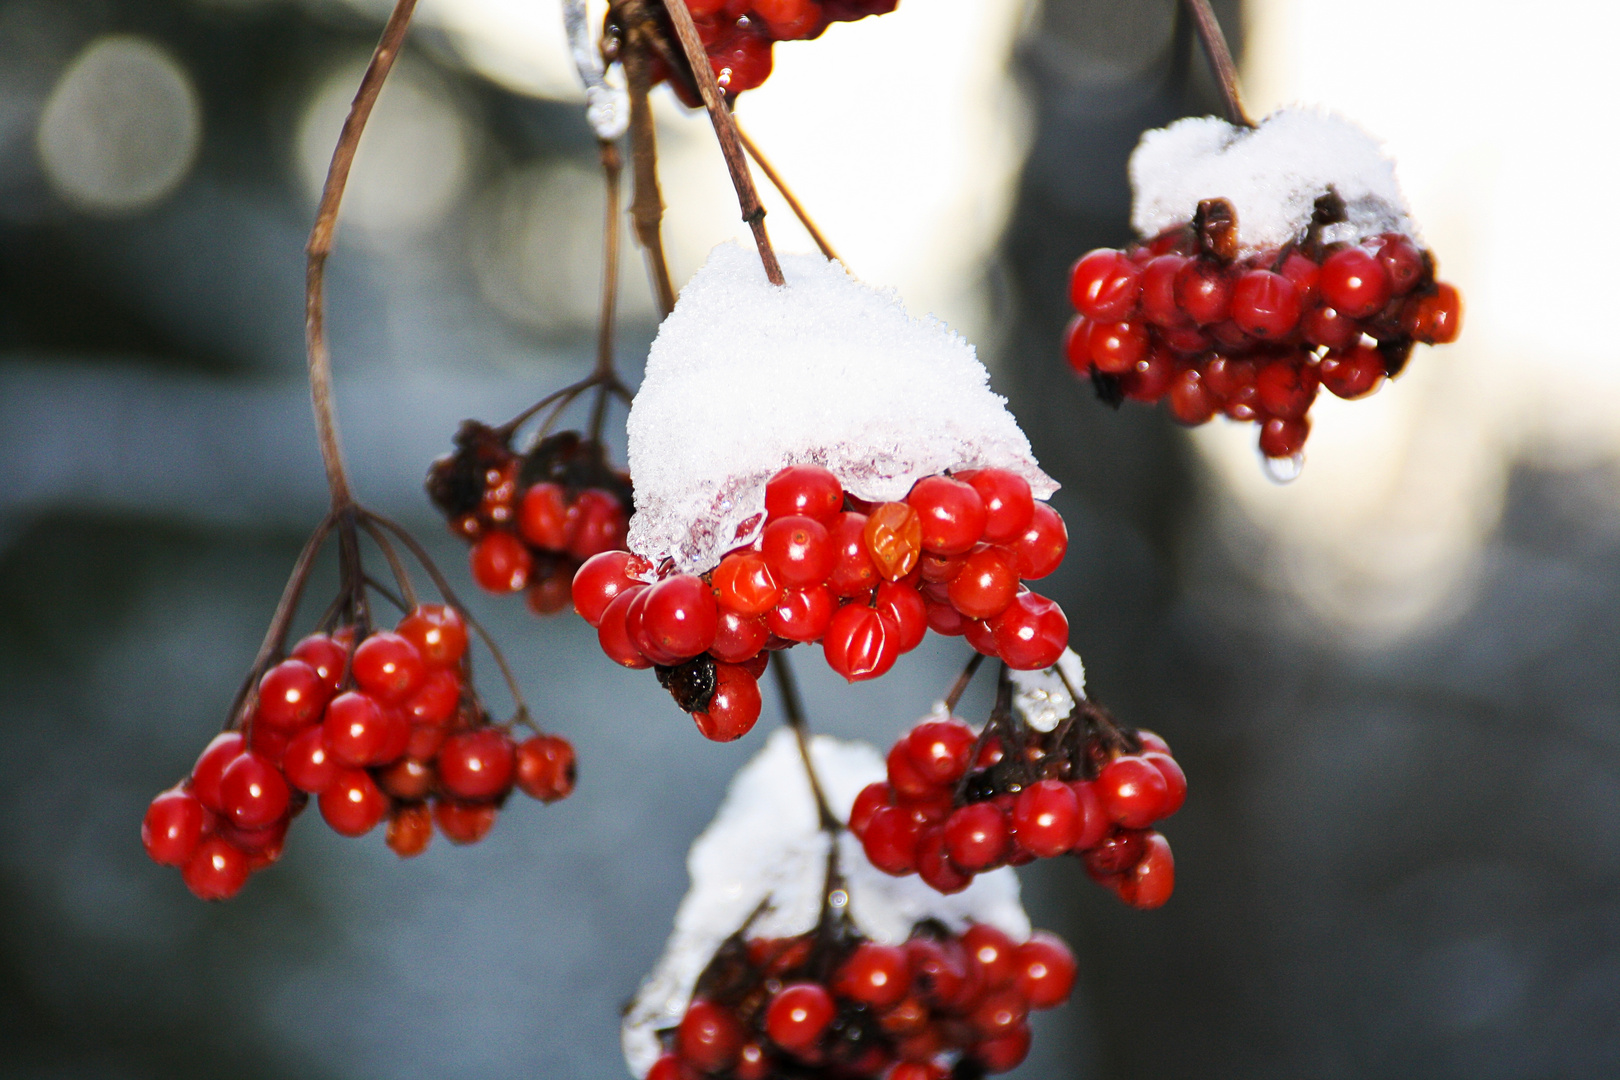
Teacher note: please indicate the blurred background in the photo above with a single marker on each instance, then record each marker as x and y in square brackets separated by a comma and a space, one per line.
[1393, 683]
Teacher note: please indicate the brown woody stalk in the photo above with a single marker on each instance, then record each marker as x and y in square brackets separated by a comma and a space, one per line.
[787, 195]
[647, 206]
[1220, 60]
[725, 129]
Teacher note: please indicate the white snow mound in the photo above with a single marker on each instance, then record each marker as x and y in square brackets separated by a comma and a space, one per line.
[764, 845]
[1042, 697]
[1272, 174]
[746, 378]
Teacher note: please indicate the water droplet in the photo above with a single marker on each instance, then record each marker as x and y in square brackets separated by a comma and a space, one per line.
[838, 898]
[1283, 470]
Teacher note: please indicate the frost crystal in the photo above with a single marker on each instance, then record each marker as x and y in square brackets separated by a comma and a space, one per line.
[1042, 697]
[1272, 175]
[764, 846]
[746, 378]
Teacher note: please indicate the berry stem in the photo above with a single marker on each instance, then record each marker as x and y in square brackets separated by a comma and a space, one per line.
[793, 708]
[401, 578]
[1220, 60]
[275, 635]
[959, 687]
[725, 129]
[647, 206]
[611, 167]
[320, 246]
[787, 195]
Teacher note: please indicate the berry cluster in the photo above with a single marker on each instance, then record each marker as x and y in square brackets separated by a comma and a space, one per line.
[738, 36]
[1181, 317]
[810, 1008]
[958, 804]
[374, 730]
[532, 518]
[866, 580]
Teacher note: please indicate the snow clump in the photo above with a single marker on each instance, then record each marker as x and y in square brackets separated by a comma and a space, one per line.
[746, 378]
[765, 852]
[1271, 174]
[1042, 697]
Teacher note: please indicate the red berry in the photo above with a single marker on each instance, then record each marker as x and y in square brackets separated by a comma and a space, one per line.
[388, 667]
[860, 643]
[753, 1063]
[543, 517]
[905, 611]
[738, 639]
[1152, 879]
[436, 700]
[1265, 305]
[1150, 377]
[173, 827]
[410, 828]
[950, 513]
[1304, 274]
[1174, 779]
[1042, 546]
[1077, 345]
[934, 865]
[360, 732]
[1204, 292]
[1046, 970]
[1001, 1011]
[613, 632]
[409, 779]
[798, 551]
[976, 836]
[1191, 402]
[1115, 853]
[291, 696]
[1286, 387]
[1008, 503]
[875, 975]
[1159, 305]
[986, 584]
[802, 614]
[804, 490]
[977, 633]
[890, 841]
[798, 1015]
[940, 750]
[1328, 326]
[670, 1067]
[709, 1037]
[741, 61]
[464, 822]
[1435, 318]
[1115, 347]
[601, 524]
[894, 539]
[308, 765]
[743, 584]
[1353, 373]
[1133, 792]
[1355, 283]
[941, 974]
[601, 578]
[216, 870]
[500, 562]
[944, 619]
[353, 803]
[1105, 285]
[1233, 382]
[1402, 261]
[328, 659]
[853, 572]
[994, 953]
[1046, 818]
[261, 846]
[438, 632]
[550, 593]
[545, 767]
[1004, 1052]
[680, 616]
[873, 795]
[477, 764]
[908, 780]
[1094, 820]
[734, 708]
[1031, 634]
[223, 749]
[1281, 438]
[252, 792]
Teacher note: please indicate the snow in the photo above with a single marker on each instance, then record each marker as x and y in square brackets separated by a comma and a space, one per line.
[1272, 175]
[1042, 697]
[764, 844]
[746, 378]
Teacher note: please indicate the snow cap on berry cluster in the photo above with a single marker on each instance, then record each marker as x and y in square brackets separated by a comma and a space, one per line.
[764, 852]
[746, 378]
[1272, 175]
[1043, 697]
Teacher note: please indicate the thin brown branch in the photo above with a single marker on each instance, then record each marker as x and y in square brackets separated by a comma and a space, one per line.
[959, 687]
[787, 195]
[611, 167]
[647, 205]
[1220, 60]
[320, 246]
[793, 709]
[725, 129]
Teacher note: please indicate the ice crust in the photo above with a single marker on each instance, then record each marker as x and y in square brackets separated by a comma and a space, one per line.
[1041, 696]
[1272, 175]
[746, 378]
[764, 844]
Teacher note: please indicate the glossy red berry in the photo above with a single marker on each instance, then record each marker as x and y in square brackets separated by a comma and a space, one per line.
[543, 517]
[1402, 261]
[1151, 880]
[291, 696]
[308, 765]
[1041, 548]
[1159, 305]
[173, 827]
[477, 764]
[993, 952]
[798, 1015]
[873, 795]
[903, 606]
[1004, 1052]
[1286, 387]
[951, 514]
[976, 836]
[252, 792]
[1435, 318]
[738, 639]
[802, 614]
[353, 804]
[1046, 818]
[613, 632]
[680, 616]
[360, 732]
[464, 822]
[940, 750]
[436, 700]
[1133, 792]
[1031, 634]
[1117, 347]
[545, 767]
[804, 490]
[408, 779]
[388, 667]
[1281, 438]
[986, 584]
[1265, 305]
[1008, 503]
[890, 841]
[1045, 970]
[1105, 285]
[601, 578]
[853, 572]
[1204, 292]
[1191, 402]
[894, 539]
[601, 524]
[977, 633]
[439, 633]
[1077, 345]
[860, 643]
[934, 865]
[1175, 780]
[734, 708]
[875, 975]
[500, 562]
[1352, 373]
[743, 584]
[1000, 1012]
[1150, 377]
[709, 1037]
[1094, 820]
[216, 870]
[223, 749]
[1355, 283]
[410, 828]
[798, 551]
